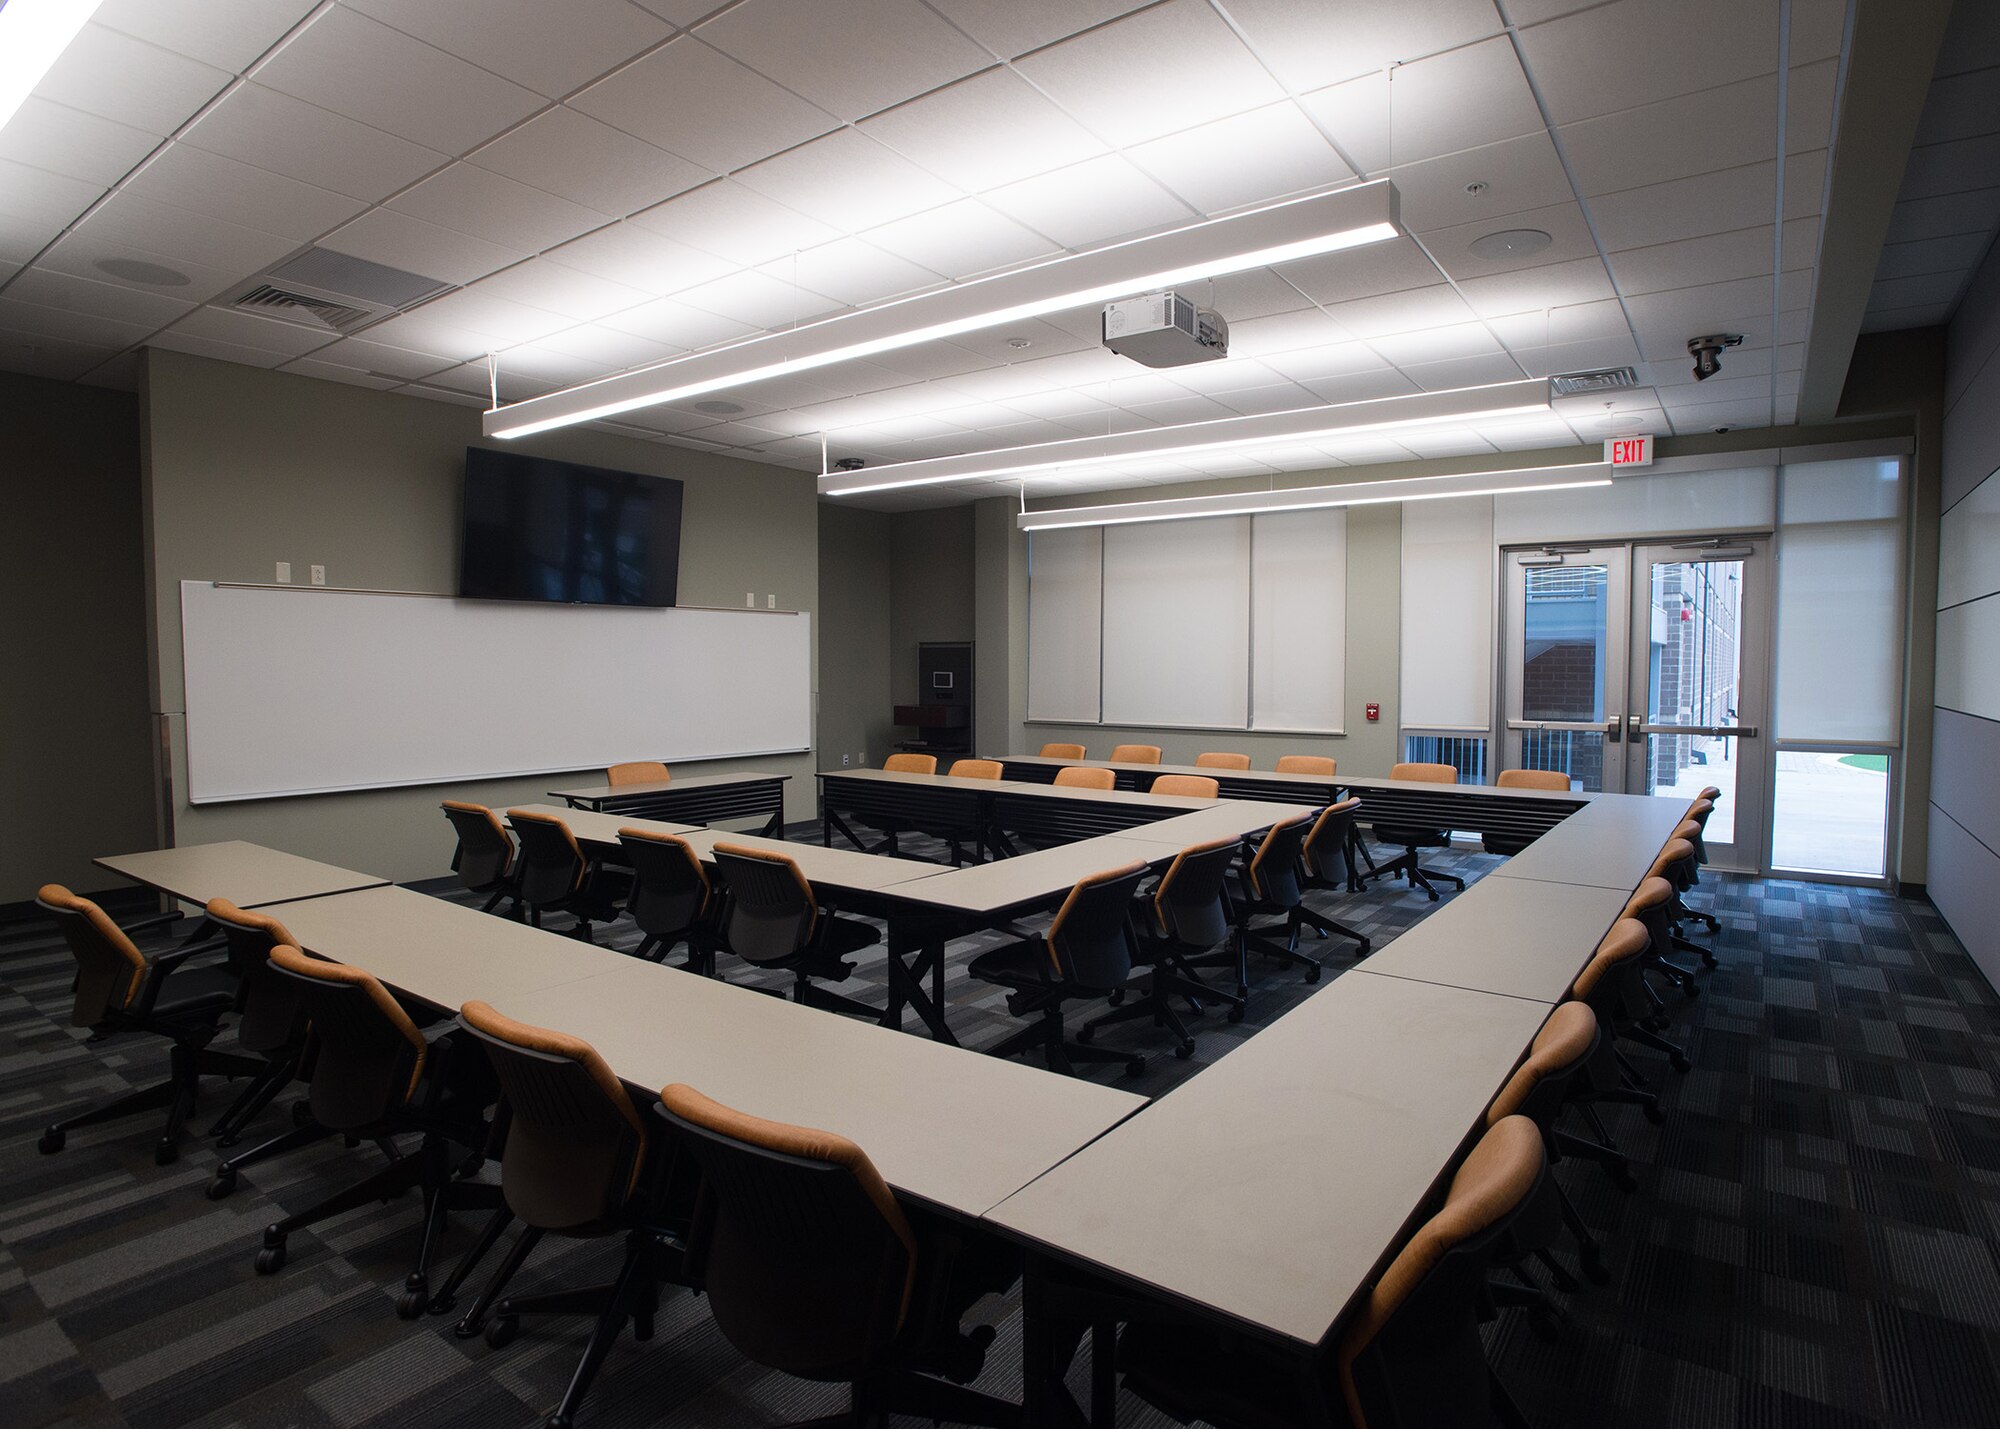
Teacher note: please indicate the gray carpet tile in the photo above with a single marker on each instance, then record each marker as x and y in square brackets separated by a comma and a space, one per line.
[1815, 1240]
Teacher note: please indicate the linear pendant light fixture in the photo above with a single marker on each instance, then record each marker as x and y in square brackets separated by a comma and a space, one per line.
[1277, 233]
[1231, 434]
[1306, 498]
[33, 35]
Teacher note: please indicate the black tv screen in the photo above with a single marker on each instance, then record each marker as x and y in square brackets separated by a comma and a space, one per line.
[537, 529]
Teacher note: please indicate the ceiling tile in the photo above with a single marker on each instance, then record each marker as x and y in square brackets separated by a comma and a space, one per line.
[115, 76]
[635, 257]
[1959, 106]
[1013, 27]
[51, 136]
[1920, 291]
[1686, 208]
[552, 49]
[420, 332]
[1438, 344]
[1896, 319]
[1249, 158]
[352, 65]
[120, 302]
[492, 206]
[1547, 360]
[58, 359]
[1461, 99]
[226, 33]
[249, 330]
[30, 193]
[1259, 293]
[1391, 267]
[1946, 216]
[1089, 203]
[541, 283]
[183, 234]
[614, 349]
[984, 131]
[1677, 49]
[1578, 322]
[851, 271]
[757, 300]
[1569, 238]
[1818, 27]
[336, 372]
[1316, 364]
[384, 236]
[961, 239]
[847, 181]
[1809, 99]
[676, 324]
[575, 157]
[1656, 143]
[1412, 311]
[735, 223]
[1555, 285]
[78, 255]
[372, 356]
[1285, 332]
[1308, 43]
[500, 321]
[274, 131]
[68, 326]
[1935, 169]
[697, 102]
[833, 54]
[1932, 255]
[256, 198]
[1152, 73]
[1513, 176]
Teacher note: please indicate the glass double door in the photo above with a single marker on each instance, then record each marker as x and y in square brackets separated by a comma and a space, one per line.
[1641, 669]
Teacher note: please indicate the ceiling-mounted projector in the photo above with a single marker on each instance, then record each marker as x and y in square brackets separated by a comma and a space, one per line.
[1165, 330]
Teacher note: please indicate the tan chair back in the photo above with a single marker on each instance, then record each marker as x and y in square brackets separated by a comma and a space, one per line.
[1425, 773]
[1191, 786]
[649, 771]
[1222, 761]
[911, 764]
[1307, 764]
[1135, 754]
[1062, 751]
[1551, 779]
[975, 769]
[1077, 777]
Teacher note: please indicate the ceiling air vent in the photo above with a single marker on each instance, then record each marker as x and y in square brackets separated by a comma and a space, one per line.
[1582, 384]
[304, 308]
[334, 292]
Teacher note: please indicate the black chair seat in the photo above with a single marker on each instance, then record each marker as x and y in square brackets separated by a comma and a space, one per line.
[193, 990]
[845, 935]
[1015, 965]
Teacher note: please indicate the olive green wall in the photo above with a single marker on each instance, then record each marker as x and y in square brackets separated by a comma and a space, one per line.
[75, 760]
[247, 467]
[855, 635]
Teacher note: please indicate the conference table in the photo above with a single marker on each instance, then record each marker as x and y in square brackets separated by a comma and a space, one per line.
[249, 875]
[1266, 785]
[698, 799]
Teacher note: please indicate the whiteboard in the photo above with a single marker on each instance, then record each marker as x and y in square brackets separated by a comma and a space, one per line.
[302, 691]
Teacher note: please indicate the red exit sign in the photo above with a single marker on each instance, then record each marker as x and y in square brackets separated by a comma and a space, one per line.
[1629, 451]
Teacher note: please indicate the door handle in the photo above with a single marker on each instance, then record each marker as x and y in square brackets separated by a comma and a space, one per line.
[1632, 726]
[1614, 731]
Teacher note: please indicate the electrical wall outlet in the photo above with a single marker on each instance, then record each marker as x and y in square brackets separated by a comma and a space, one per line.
[770, 602]
[749, 600]
[284, 573]
[319, 575]
[843, 761]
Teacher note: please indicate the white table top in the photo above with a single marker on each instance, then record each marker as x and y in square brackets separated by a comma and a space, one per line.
[595, 828]
[953, 1127]
[1271, 776]
[443, 952]
[248, 875]
[829, 868]
[1609, 843]
[666, 786]
[1232, 818]
[1511, 936]
[987, 888]
[1129, 798]
[1270, 1186]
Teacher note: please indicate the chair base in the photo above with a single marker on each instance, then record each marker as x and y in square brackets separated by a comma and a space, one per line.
[1407, 864]
[1327, 928]
[1062, 1054]
[178, 1094]
[1155, 1003]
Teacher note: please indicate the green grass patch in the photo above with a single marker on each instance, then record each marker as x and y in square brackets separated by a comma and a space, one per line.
[1873, 763]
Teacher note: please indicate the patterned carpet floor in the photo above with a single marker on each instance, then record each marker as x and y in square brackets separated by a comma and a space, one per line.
[1815, 1240]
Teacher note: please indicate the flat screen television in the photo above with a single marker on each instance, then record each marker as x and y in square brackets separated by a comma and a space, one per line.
[537, 529]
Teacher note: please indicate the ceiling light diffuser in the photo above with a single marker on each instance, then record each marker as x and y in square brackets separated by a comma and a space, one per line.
[1276, 233]
[33, 35]
[1302, 424]
[1306, 498]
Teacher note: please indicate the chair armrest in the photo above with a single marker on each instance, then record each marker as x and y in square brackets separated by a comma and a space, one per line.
[162, 966]
[146, 925]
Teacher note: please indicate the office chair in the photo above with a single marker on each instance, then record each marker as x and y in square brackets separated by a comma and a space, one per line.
[576, 1165]
[376, 1076]
[556, 877]
[1553, 780]
[1560, 1061]
[1652, 904]
[1077, 777]
[1307, 764]
[484, 858]
[671, 899]
[910, 764]
[1412, 839]
[1062, 751]
[1185, 914]
[1699, 813]
[1612, 986]
[1327, 866]
[1222, 761]
[1679, 862]
[1411, 1357]
[271, 1024]
[649, 771]
[974, 769]
[1135, 754]
[811, 1267]
[1187, 786]
[771, 918]
[1087, 952]
[119, 989]
[1270, 888]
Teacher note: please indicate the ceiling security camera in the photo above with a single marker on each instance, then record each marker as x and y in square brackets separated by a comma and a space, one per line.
[1707, 352]
[850, 463]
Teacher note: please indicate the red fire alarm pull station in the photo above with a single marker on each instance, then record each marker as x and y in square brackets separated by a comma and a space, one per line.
[1374, 712]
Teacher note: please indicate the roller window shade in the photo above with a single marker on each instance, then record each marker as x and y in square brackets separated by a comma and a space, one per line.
[1176, 623]
[1298, 620]
[1065, 606]
[1448, 598]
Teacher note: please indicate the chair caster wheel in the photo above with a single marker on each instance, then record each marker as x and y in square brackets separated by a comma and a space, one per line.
[166, 1151]
[410, 1304]
[500, 1332]
[222, 1186]
[441, 1305]
[468, 1329]
[52, 1141]
[1691, 992]
[1312, 974]
[1236, 1013]
[302, 1114]
[1086, 1035]
[1679, 1063]
[270, 1260]
[1117, 997]
[1655, 1115]
[1185, 1050]
[223, 1143]
[1135, 1066]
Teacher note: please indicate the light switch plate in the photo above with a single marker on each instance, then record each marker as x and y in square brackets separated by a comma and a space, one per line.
[284, 573]
[319, 575]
